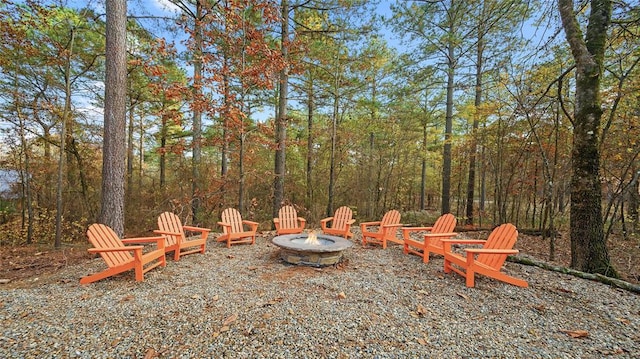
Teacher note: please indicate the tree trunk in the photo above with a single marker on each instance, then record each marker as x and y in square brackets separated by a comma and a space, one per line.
[281, 120]
[197, 114]
[448, 126]
[114, 145]
[588, 246]
[311, 112]
[471, 180]
[130, 129]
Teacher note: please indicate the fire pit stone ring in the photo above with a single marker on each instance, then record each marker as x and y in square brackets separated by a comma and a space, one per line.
[297, 249]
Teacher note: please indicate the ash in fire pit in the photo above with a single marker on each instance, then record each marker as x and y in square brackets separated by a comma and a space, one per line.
[311, 249]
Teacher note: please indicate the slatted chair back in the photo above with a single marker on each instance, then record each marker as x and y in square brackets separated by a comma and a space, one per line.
[391, 217]
[232, 216]
[444, 224]
[288, 217]
[502, 237]
[102, 236]
[170, 222]
[341, 218]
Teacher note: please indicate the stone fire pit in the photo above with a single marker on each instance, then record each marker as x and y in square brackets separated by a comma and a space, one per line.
[300, 249]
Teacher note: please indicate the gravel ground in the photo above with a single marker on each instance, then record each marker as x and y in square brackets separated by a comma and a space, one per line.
[244, 302]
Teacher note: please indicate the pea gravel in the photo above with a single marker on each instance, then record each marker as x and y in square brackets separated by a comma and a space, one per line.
[243, 302]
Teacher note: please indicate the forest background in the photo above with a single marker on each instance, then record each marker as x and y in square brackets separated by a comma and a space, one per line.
[426, 107]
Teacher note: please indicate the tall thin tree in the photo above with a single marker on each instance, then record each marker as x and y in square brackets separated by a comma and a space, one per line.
[114, 142]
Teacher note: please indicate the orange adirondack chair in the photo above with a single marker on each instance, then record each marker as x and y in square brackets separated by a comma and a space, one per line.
[490, 257]
[288, 221]
[340, 223]
[432, 242]
[118, 256]
[382, 231]
[233, 228]
[176, 241]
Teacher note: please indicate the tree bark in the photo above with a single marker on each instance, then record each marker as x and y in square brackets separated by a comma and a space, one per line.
[197, 113]
[588, 246]
[471, 180]
[310, 152]
[114, 144]
[281, 120]
[448, 125]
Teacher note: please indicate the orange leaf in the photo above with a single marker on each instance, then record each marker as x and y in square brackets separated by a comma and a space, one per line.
[150, 354]
[232, 318]
[576, 333]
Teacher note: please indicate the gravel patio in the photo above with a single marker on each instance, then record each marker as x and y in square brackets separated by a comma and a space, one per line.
[244, 302]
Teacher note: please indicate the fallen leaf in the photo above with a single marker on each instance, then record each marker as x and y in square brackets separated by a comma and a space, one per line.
[421, 311]
[150, 354]
[421, 341]
[267, 315]
[341, 295]
[466, 297]
[127, 298]
[273, 301]
[613, 352]
[215, 334]
[224, 329]
[4, 281]
[230, 256]
[540, 308]
[576, 333]
[195, 296]
[215, 297]
[564, 290]
[230, 319]
[623, 320]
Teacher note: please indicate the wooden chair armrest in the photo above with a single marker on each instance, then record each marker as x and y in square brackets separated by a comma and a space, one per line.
[223, 224]
[438, 235]
[196, 229]
[406, 231]
[464, 241]
[159, 231]
[325, 220]
[491, 251]
[416, 229]
[351, 221]
[397, 225]
[115, 249]
[302, 220]
[143, 239]
[276, 220]
[251, 223]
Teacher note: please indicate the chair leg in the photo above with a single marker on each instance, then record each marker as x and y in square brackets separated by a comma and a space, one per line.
[447, 265]
[471, 277]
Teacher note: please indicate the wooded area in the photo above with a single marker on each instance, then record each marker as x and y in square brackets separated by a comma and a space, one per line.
[496, 111]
